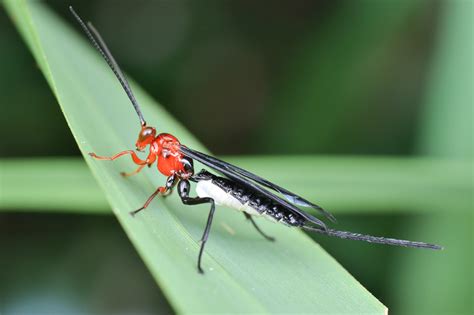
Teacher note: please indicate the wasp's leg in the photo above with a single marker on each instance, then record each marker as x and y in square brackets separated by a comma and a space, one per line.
[183, 189]
[249, 217]
[124, 174]
[135, 157]
[170, 182]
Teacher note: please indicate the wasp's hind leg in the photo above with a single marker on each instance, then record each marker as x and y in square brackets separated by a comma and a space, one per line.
[183, 190]
[249, 217]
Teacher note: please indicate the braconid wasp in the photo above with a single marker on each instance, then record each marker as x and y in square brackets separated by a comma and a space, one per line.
[237, 188]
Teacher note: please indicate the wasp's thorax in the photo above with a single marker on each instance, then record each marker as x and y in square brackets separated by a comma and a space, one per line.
[145, 137]
[168, 144]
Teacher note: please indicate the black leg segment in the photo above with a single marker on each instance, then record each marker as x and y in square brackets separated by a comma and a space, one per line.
[249, 217]
[183, 189]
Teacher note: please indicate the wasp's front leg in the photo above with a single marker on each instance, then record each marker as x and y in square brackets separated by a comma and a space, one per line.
[135, 157]
[162, 190]
[124, 174]
[141, 163]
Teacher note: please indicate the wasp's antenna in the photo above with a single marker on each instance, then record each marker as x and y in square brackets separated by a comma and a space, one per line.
[370, 238]
[101, 47]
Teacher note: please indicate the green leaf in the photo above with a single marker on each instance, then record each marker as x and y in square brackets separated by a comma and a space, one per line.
[57, 185]
[244, 273]
[340, 184]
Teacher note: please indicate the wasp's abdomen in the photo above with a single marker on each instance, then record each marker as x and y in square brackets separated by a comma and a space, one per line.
[230, 194]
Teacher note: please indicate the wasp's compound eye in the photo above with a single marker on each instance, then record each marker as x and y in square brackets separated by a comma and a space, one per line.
[146, 133]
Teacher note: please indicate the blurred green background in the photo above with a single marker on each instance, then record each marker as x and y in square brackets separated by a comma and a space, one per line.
[345, 78]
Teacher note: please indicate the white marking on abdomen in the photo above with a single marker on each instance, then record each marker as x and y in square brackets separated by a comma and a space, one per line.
[205, 188]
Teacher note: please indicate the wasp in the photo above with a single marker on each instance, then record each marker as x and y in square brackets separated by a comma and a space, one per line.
[237, 188]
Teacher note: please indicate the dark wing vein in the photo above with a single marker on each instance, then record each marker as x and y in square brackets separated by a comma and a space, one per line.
[234, 175]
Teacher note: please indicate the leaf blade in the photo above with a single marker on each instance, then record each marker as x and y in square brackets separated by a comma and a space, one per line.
[343, 185]
[165, 237]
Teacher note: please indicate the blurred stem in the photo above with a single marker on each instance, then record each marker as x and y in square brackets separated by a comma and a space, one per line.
[447, 124]
[56, 185]
[340, 184]
[444, 285]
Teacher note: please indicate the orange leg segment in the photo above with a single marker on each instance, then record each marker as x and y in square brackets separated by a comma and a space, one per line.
[124, 174]
[162, 190]
[135, 157]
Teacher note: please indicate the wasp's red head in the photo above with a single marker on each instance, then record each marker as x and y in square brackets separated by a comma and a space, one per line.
[145, 137]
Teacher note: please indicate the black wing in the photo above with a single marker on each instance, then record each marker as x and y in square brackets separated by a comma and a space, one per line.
[291, 197]
[231, 171]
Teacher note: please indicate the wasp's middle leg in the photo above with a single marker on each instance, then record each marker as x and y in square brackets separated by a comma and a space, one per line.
[162, 190]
